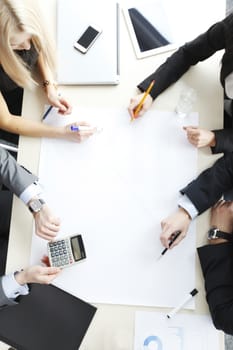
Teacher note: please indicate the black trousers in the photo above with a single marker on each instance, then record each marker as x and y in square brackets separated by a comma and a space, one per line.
[217, 267]
[5, 216]
[14, 101]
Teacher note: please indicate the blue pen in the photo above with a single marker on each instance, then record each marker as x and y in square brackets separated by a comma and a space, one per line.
[82, 128]
[49, 109]
[85, 128]
[74, 128]
[47, 112]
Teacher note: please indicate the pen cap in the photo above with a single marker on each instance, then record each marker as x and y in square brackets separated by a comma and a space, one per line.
[194, 292]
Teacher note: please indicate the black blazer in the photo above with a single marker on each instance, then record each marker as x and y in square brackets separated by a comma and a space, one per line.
[217, 267]
[210, 185]
[217, 37]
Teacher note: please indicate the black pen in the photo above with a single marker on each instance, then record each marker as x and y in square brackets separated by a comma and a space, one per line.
[47, 112]
[174, 237]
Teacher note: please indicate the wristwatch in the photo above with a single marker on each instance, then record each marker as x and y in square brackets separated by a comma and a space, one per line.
[35, 205]
[215, 233]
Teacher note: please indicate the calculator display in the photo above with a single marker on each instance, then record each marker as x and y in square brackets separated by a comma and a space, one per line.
[76, 248]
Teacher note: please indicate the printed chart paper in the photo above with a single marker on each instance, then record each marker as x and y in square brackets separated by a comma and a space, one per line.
[153, 331]
[114, 189]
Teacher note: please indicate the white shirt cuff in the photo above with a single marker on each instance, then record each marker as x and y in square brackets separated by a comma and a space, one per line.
[11, 287]
[31, 191]
[186, 203]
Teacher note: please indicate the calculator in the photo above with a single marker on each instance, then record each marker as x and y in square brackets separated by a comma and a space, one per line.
[66, 251]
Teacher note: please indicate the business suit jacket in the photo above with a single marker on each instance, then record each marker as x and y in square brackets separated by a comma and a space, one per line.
[217, 37]
[217, 268]
[17, 179]
[211, 184]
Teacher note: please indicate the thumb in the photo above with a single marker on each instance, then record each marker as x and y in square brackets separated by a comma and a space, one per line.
[190, 127]
[56, 221]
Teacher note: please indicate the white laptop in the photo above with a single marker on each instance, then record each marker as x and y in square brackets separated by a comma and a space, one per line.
[100, 64]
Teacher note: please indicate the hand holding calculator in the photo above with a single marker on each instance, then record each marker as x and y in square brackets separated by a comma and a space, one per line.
[66, 251]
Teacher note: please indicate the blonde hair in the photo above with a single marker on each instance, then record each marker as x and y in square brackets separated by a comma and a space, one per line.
[21, 16]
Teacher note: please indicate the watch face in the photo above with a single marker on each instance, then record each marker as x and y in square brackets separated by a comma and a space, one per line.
[213, 233]
[35, 206]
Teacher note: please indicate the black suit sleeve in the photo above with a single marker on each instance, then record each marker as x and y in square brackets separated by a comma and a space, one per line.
[224, 141]
[210, 185]
[186, 56]
[217, 268]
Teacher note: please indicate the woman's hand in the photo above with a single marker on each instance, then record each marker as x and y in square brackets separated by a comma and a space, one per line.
[200, 137]
[78, 135]
[134, 102]
[58, 101]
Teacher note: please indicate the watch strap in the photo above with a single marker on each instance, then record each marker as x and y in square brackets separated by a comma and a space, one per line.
[215, 233]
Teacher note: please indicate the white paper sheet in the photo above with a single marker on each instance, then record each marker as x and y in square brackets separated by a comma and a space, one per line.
[114, 189]
[153, 331]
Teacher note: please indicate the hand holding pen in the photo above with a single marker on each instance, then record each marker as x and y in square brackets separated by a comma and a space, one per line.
[141, 103]
[179, 221]
[174, 237]
[58, 101]
[80, 131]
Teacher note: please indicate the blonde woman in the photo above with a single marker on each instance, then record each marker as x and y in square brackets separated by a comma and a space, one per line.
[24, 48]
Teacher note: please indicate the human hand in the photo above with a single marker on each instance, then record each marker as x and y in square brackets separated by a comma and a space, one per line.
[179, 221]
[78, 136]
[199, 137]
[56, 100]
[134, 102]
[37, 274]
[222, 216]
[46, 224]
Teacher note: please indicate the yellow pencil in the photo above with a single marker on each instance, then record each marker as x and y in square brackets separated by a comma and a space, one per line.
[139, 107]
